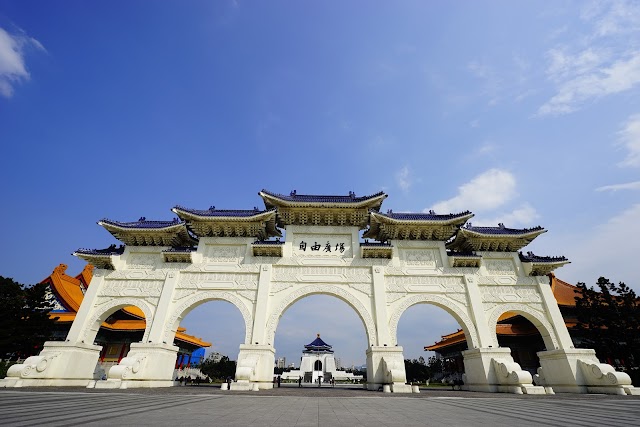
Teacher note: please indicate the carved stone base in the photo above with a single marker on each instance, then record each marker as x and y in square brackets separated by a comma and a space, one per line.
[580, 371]
[255, 367]
[146, 362]
[58, 364]
[119, 384]
[493, 370]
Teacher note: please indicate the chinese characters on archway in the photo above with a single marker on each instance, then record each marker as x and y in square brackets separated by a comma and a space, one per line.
[317, 247]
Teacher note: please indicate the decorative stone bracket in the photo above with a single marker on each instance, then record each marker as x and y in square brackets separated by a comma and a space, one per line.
[255, 367]
[58, 364]
[512, 379]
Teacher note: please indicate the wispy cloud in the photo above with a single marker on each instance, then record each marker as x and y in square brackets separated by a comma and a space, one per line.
[12, 65]
[629, 138]
[609, 65]
[403, 179]
[486, 192]
[522, 215]
[616, 187]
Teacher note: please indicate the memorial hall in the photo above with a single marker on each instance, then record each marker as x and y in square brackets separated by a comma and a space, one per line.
[263, 260]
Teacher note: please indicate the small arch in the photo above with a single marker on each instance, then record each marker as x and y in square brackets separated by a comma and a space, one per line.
[332, 290]
[183, 309]
[446, 304]
[317, 366]
[536, 317]
[105, 310]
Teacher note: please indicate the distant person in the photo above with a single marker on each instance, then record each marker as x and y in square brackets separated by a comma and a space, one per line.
[299, 382]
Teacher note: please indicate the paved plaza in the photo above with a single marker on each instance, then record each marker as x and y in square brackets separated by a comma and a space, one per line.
[289, 406]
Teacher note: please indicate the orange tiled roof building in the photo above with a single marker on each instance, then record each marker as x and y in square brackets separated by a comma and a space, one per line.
[515, 332]
[119, 330]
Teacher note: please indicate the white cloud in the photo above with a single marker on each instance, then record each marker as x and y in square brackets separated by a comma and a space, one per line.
[622, 75]
[403, 179]
[523, 215]
[12, 66]
[610, 65]
[629, 137]
[615, 187]
[485, 192]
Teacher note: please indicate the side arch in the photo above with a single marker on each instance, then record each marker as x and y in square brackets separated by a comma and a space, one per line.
[531, 314]
[103, 311]
[448, 305]
[178, 314]
[332, 290]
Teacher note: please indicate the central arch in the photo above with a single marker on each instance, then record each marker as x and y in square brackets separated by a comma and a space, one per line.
[332, 290]
[534, 316]
[449, 306]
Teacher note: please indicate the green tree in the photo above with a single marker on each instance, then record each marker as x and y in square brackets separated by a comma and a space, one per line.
[417, 370]
[218, 369]
[25, 324]
[609, 322]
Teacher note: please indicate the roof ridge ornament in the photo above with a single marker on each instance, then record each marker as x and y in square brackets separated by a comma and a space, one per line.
[142, 218]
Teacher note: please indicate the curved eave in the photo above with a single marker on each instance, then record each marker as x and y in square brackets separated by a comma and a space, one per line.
[190, 216]
[172, 235]
[449, 220]
[467, 239]
[67, 288]
[373, 202]
[542, 268]
[102, 261]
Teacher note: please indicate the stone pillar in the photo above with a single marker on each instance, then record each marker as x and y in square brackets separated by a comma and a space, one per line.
[258, 335]
[385, 366]
[476, 313]
[161, 314]
[255, 367]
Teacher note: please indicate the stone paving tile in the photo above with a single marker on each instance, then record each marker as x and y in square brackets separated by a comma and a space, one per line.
[307, 407]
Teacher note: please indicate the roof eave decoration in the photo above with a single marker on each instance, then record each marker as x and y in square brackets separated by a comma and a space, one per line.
[376, 250]
[462, 259]
[100, 258]
[494, 239]
[268, 248]
[299, 209]
[415, 226]
[150, 233]
[230, 223]
[541, 266]
[179, 254]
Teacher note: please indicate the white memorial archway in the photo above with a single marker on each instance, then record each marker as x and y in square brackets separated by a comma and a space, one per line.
[167, 268]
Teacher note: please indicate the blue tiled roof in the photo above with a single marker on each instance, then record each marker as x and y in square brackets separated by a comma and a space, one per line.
[181, 249]
[463, 254]
[421, 216]
[318, 343]
[111, 250]
[213, 212]
[376, 244]
[268, 242]
[312, 198]
[143, 223]
[531, 257]
[501, 229]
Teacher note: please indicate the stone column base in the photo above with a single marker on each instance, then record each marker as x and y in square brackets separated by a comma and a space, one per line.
[146, 365]
[385, 366]
[493, 370]
[58, 364]
[255, 368]
[579, 371]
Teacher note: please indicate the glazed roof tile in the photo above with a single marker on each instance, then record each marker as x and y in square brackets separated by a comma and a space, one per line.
[143, 223]
[318, 342]
[463, 254]
[268, 242]
[181, 249]
[531, 257]
[111, 250]
[376, 244]
[423, 216]
[312, 198]
[501, 230]
[213, 212]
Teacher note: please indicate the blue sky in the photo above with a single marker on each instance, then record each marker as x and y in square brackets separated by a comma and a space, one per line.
[523, 112]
